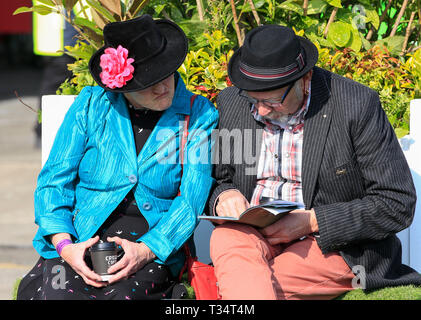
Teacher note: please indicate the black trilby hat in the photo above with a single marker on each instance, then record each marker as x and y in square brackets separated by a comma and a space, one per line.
[271, 57]
[158, 48]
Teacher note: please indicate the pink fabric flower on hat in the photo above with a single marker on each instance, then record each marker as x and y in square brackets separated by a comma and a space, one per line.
[117, 69]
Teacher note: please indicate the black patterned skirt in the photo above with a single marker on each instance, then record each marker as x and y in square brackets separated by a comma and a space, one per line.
[54, 279]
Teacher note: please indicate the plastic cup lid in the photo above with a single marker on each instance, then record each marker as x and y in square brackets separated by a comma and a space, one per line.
[102, 246]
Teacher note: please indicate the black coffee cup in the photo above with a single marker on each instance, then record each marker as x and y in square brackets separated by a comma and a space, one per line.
[103, 256]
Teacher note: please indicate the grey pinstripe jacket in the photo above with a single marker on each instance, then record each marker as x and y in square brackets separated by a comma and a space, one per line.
[354, 175]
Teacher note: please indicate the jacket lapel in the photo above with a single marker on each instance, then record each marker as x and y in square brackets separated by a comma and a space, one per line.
[252, 144]
[165, 136]
[316, 128]
[256, 140]
[256, 145]
[121, 126]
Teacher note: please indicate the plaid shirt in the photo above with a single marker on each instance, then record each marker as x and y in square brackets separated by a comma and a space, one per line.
[279, 168]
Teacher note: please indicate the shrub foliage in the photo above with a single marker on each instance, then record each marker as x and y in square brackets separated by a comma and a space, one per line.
[375, 42]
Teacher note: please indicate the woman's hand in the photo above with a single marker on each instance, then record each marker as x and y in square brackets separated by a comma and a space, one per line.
[74, 255]
[136, 256]
[231, 203]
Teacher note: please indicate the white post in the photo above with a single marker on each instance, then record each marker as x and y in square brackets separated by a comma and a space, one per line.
[54, 109]
[411, 146]
[415, 165]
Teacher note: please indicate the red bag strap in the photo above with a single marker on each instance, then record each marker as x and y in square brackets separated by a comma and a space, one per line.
[184, 136]
[183, 143]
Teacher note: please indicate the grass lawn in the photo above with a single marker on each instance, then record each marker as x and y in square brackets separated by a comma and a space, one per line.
[393, 293]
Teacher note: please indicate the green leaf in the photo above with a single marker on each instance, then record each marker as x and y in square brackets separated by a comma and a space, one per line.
[326, 43]
[47, 2]
[373, 17]
[366, 43]
[316, 7]
[87, 23]
[291, 5]
[335, 3]
[101, 10]
[344, 15]
[81, 50]
[43, 10]
[401, 132]
[159, 8]
[22, 10]
[355, 42]
[258, 4]
[365, 2]
[308, 22]
[393, 44]
[137, 5]
[340, 33]
[176, 14]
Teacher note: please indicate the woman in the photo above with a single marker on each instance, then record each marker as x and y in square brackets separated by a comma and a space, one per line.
[113, 173]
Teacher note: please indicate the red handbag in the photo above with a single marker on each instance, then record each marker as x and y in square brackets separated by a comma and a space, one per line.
[201, 276]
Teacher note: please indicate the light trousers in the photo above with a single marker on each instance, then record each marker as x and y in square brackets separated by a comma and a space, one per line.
[249, 268]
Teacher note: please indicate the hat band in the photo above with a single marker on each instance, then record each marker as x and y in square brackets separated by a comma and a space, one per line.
[272, 74]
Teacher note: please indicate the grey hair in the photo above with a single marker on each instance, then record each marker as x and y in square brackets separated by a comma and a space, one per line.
[298, 89]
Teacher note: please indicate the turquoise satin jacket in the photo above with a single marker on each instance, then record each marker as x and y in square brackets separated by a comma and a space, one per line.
[93, 165]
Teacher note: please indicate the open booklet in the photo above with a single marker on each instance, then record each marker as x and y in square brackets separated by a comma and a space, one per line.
[261, 215]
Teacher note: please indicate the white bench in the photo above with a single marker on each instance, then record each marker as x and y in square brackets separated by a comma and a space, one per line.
[55, 107]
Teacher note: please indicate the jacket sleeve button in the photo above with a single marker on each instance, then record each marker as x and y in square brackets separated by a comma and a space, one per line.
[133, 178]
[147, 206]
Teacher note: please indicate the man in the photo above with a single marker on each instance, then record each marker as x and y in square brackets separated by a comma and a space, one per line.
[316, 138]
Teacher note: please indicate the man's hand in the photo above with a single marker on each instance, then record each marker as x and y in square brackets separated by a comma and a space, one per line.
[74, 255]
[231, 203]
[136, 256]
[296, 224]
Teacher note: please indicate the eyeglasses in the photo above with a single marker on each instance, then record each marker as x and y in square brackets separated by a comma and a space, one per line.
[272, 103]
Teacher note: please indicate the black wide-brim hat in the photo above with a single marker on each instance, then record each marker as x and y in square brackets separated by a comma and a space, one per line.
[271, 57]
[158, 48]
